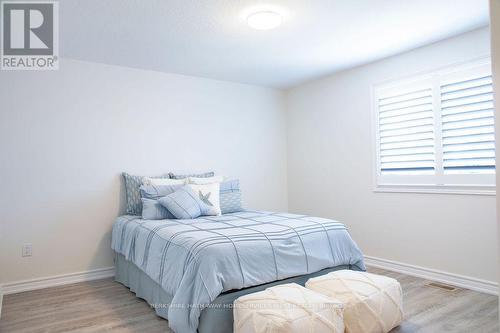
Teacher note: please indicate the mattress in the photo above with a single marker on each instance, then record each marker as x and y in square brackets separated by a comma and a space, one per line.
[196, 260]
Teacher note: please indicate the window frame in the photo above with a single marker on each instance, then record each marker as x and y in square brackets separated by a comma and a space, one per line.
[476, 184]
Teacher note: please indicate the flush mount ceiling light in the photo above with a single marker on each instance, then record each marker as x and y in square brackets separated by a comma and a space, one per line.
[264, 20]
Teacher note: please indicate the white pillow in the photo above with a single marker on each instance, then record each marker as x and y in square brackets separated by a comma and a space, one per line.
[163, 181]
[209, 194]
[207, 180]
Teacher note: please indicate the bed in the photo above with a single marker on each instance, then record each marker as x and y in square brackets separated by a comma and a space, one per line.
[191, 271]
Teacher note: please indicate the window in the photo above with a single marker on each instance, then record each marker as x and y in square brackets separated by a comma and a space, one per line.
[435, 133]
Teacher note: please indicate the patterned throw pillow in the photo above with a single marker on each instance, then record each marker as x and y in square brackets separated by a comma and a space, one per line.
[209, 194]
[132, 185]
[151, 208]
[185, 204]
[198, 175]
[230, 197]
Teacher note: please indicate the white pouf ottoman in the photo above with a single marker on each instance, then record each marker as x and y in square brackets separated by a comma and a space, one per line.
[372, 303]
[287, 308]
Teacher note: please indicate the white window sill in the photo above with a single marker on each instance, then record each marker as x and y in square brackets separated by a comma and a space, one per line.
[437, 189]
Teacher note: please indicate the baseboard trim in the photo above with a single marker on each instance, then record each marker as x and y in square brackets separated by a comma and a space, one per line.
[57, 280]
[484, 286]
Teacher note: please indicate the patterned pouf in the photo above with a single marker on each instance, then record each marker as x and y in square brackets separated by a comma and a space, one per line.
[287, 308]
[372, 303]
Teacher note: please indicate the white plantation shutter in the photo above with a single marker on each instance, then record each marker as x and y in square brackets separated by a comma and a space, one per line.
[437, 131]
[468, 125]
[406, 132]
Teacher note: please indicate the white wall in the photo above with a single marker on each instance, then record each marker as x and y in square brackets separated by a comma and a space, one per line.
[65, 137]
[330, 170]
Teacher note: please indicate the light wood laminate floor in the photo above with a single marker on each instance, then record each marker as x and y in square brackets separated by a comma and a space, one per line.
[105, 305]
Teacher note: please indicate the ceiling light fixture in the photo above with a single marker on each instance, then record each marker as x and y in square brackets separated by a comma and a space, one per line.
[264, 20]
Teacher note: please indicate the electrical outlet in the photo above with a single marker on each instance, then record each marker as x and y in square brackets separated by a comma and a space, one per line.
[27, 250]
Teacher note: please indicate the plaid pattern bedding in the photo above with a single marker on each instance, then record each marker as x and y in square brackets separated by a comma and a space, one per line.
[196, 260]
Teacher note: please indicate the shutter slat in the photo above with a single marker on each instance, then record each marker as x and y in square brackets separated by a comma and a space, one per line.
[404, 97]
[469, 100]
[407, 151]
[411, 164]
[408, 106]
[407, 131]
[469, 139]
[408, 158]
[467, 121]
[469, 146]
[405, 111]
[469, 162]
[468, 108]
[477, 169]
[468, 115]
[464, 154]
[407, 103]
[407, 117]
[472, 130]
[408, 137]
[474, 91]
[466, 84]
[408, 144]
[409, 171]
[474, 122]
[406, 124]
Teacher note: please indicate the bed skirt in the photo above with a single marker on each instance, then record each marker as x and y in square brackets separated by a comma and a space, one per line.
[218, 318]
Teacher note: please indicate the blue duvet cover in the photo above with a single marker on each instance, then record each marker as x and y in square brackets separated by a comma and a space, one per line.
[196, 260]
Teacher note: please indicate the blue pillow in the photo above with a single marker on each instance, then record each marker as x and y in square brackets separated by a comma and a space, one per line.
[132, 185]
[230, 197]
[151, 208]
[185, 204]
[198, 175]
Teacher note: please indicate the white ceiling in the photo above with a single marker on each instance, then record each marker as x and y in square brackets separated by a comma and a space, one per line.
[210, 38]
